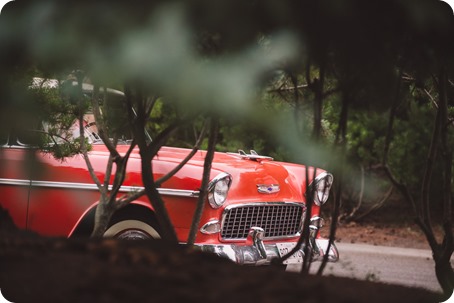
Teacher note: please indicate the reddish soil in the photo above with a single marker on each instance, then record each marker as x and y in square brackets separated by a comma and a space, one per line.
[396, 235]
[393, 225]
[37, 269]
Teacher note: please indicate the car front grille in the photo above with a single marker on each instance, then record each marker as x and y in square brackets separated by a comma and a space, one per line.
[279, 220]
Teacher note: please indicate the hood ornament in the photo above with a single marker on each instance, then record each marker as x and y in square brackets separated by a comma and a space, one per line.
[268, 188]
[254, 156]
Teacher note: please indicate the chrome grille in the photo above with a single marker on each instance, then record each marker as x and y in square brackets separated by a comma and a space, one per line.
[277, 220]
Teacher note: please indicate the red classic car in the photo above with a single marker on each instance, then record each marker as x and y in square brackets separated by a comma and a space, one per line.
[254, 211]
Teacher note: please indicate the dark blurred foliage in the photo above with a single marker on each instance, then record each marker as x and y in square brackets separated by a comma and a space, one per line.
[362, 46]
[361, 38]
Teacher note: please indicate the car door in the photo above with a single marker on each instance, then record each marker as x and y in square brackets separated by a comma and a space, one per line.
[15, 164]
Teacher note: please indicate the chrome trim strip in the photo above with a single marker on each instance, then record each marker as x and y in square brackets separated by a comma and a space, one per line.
[15, 182]
[91, 186]
[179, 192]
[67, 185]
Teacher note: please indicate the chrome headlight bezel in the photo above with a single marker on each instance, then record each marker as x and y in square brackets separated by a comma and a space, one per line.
[320, 188]
[218, 189]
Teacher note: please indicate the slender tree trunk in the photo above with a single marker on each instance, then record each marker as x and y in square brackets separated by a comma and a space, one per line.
[442, 253]
[147, 150]
[168, 231]
[342, 137]
[103, 214]
[318, 103]
[214, 128]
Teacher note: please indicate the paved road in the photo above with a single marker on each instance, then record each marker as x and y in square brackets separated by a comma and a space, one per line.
[409, 267]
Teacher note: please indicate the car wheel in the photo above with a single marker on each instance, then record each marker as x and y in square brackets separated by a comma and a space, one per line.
[132, 230]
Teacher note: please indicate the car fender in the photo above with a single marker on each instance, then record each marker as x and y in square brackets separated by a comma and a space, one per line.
[84, 225]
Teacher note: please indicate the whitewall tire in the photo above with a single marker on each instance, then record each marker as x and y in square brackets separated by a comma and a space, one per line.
[132, 230]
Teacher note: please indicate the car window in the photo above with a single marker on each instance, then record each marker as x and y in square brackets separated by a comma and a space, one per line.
[27, 133]
[3, 137]
[61, 129]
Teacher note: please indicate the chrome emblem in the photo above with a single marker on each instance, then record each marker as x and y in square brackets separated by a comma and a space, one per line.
[268, 188]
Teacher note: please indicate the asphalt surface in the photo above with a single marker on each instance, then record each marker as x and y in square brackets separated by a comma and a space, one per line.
[402, 266]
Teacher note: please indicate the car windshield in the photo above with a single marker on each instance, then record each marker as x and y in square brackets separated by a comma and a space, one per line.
[61, 135]
[61, 129]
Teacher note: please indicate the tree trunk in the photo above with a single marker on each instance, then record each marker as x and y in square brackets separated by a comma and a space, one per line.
[318, 85]
[342, 137]
[445, 275]
[443, 253]
[214, 129]
[168, 231]
[103, 215]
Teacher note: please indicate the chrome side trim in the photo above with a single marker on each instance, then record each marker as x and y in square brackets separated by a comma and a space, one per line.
[91, 186]
[14, 182]
[179, 192]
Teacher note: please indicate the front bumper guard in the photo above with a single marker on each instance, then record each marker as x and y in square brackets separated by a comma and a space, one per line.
[256, 252]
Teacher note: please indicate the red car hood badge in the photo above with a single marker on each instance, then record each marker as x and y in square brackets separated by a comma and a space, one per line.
[268, 188]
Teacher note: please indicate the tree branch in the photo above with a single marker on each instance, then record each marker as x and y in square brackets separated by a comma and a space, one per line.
[185, 160]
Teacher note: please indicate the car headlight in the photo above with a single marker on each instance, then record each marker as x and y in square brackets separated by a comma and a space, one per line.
[320, 188]
[218, 189]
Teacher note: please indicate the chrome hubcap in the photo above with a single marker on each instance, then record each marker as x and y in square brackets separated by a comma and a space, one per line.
[133, 234]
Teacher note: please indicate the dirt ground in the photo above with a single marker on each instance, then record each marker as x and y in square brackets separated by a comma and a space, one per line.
[404, 234]
[37, 269]
[393, 225]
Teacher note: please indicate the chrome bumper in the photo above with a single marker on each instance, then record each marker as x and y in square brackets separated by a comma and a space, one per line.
[255, 252]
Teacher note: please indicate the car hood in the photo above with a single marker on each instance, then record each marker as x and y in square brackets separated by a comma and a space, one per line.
[288, 179]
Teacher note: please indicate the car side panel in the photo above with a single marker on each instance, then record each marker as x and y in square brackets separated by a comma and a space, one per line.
[54, 212]
[14, 183]
[55, 203]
